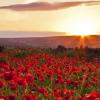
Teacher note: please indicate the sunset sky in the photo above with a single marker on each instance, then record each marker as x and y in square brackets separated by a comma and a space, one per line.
[70, 16]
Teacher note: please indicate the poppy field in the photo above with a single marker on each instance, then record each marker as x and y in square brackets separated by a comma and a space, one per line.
[36, 74]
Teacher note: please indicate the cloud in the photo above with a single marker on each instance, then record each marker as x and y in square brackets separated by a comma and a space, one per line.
[48, 6]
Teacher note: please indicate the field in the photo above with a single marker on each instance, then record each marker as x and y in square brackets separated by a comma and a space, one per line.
[46, 74]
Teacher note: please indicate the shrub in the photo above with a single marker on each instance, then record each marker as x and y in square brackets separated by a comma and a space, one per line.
[60, 48]
[22, 54]
[2, 60]
[70, 54]
[2, 48]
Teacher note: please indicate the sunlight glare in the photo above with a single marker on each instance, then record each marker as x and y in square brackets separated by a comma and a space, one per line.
[82, 27]
[83, 23]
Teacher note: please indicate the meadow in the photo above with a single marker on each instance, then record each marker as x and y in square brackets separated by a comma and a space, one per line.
[46, 74]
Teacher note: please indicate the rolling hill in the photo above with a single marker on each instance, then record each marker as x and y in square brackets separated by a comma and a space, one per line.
[52, 42]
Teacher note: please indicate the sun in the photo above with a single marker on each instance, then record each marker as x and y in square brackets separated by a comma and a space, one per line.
[81, 23]
[81, 28]
[30, 1]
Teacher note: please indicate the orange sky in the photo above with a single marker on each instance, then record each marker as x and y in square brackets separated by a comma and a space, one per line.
[62, 20]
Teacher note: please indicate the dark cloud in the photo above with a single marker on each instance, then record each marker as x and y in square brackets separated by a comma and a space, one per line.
[48, 6]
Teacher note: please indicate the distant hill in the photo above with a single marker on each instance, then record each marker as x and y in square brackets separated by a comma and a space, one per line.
[52, 42]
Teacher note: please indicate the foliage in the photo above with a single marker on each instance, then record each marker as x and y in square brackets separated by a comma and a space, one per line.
[22, 54]
[60, 48]
[44, 75]
[70, 54]
[3, 60]
[2, 48]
